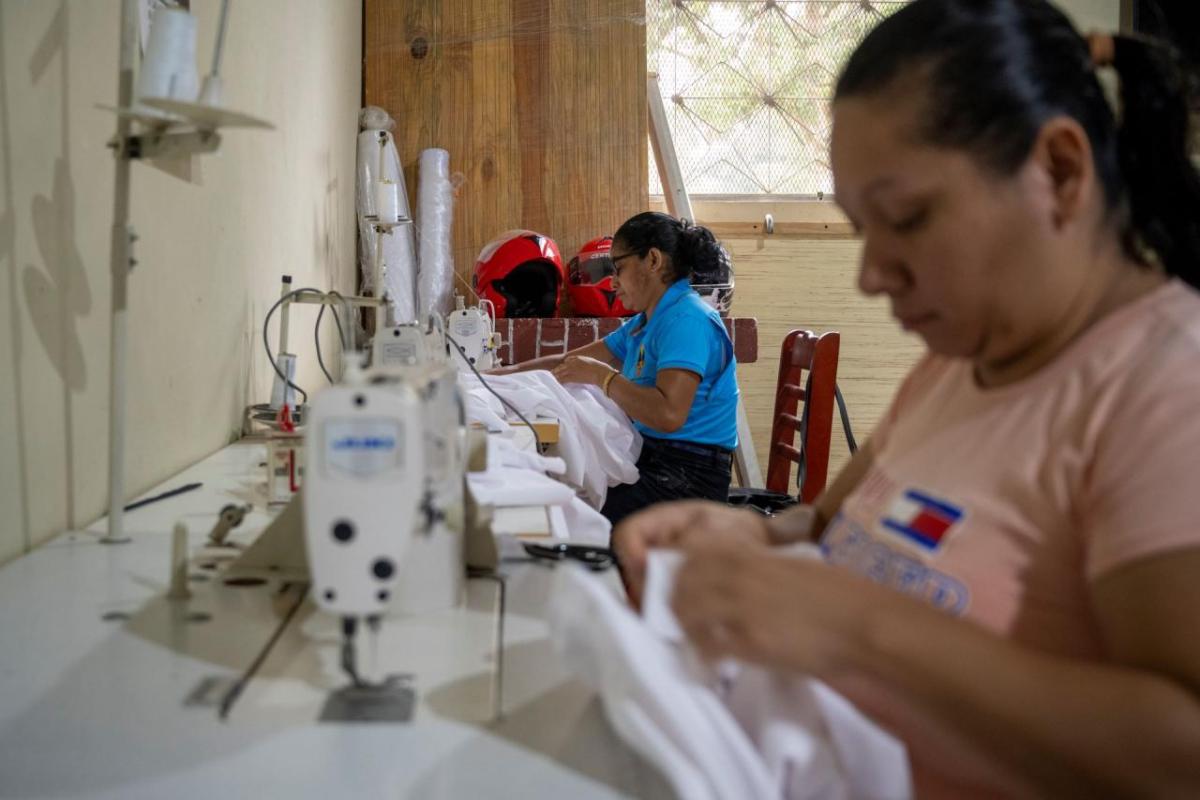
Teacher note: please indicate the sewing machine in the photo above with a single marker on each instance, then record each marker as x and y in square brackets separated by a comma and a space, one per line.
[410, 344]
[472, 332]
[364, 493]
[382, 503]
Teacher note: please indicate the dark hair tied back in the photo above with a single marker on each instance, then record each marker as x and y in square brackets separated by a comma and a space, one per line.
[996, 70]
[693, 251]
[1153, 144]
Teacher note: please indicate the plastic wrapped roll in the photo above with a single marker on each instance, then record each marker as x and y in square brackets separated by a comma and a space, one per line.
[435, 211]
[399, 249]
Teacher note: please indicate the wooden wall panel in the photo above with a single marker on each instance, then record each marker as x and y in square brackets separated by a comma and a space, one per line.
[797, 283]
[541, 104]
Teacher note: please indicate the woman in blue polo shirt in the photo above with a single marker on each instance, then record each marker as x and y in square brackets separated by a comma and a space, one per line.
[670, 367]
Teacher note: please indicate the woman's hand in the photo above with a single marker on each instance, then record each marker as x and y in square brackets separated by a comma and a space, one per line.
[675, 524]
[780, 611]
[582, 369]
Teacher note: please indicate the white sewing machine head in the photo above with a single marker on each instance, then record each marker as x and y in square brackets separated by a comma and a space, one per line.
[401, 346]
[473, 330]
[385, 468]
[409, 345]
[363, 492]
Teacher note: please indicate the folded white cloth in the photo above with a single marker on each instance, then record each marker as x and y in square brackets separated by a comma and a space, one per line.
[517, 486]
[516, 477]
[503, 452]
[734, 731]
[596, 439]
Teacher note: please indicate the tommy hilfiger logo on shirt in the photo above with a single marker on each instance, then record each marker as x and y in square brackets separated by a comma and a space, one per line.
[922, 518]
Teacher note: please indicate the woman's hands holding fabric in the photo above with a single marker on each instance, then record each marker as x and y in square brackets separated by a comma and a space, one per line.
[582, 369]
[780, 611]
[673, 525]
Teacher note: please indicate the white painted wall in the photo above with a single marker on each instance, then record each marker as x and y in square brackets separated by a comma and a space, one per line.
[210, 255]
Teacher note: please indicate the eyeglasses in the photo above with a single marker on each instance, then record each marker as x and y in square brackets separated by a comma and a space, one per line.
[595, 269]
[615, 259]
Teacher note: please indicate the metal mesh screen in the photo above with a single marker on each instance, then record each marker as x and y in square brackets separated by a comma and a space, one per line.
[746, 85]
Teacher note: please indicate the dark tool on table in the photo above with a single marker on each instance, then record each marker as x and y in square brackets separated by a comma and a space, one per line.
[595, 558]
[185, 488]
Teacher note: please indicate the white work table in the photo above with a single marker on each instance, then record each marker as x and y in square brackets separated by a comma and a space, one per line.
[118, 708]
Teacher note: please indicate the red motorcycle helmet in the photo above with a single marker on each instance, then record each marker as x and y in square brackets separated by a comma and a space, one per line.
[521, 273]
[590, 279]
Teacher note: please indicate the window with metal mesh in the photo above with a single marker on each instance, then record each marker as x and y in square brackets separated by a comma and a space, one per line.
[746, 85]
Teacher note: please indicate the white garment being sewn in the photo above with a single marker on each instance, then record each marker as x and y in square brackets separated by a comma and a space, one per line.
[596, 439]
[516, 477]
[503, 452]
[517, 486]
[730, 731]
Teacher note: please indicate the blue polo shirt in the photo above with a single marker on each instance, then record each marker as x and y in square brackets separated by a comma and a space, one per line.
[684, 333]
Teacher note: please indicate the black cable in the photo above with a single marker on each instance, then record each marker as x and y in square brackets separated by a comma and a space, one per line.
[317, 342]
[187, 487]
[507, 404]
[346, 345]
[845, 415]
[317, 337]
[267, 344]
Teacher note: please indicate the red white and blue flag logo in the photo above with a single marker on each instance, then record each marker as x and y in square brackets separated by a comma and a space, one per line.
[924, 519]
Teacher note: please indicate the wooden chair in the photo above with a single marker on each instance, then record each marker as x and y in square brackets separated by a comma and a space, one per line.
[808, 374]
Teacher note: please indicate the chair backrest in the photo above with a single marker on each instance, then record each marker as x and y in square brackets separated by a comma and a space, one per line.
[807, 373]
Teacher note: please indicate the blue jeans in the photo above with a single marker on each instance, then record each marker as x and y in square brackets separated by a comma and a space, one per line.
[671, 470]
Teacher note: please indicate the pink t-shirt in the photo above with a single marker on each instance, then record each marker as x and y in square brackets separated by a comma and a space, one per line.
[1003, 505]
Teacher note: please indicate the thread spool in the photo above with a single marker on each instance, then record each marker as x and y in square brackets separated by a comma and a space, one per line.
[387, 202]
[169, 68]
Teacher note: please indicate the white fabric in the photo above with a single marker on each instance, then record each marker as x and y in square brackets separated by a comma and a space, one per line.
[596, 439]
[517, 486]
[730, 732]
[515, 477]
[651, 693]
[582, 524]
[504, 452]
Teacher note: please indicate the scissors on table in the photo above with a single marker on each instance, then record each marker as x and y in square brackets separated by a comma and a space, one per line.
[595, 558]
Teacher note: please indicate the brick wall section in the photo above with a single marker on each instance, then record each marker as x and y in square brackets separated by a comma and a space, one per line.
[531, 338]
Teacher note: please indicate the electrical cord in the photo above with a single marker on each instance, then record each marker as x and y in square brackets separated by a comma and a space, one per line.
[267, 343]
[316, 334]
[346, 344]
[317, 342]
[463, 354]
[845, 415]
[317, 337]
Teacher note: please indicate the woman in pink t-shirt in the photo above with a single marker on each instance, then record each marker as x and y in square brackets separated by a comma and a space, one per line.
[1012, 563]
